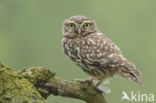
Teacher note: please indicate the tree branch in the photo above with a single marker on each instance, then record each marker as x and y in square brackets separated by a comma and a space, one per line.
[16, 89]
[47, 83]
[37, 83]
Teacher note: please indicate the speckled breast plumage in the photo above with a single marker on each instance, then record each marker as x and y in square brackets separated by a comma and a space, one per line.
[92, 54]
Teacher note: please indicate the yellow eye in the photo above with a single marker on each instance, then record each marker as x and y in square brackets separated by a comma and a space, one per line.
[71, 25]
[86, 25]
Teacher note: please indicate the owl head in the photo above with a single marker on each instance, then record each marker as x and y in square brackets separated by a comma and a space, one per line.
[77, 26]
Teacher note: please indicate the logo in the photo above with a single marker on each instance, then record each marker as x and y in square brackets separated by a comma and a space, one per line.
[134, 97]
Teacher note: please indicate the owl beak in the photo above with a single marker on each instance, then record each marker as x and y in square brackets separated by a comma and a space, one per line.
[79, 31]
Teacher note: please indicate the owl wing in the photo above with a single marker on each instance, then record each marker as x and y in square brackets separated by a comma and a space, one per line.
[103, 51]
[108, 55]
[100, 47]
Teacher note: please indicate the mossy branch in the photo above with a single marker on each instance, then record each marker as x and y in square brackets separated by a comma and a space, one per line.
[16, 89]
[47, 83]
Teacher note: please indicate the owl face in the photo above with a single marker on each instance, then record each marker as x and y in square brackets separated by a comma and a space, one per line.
[77, 26]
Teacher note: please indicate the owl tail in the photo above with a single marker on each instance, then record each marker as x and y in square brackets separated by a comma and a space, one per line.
[129, 71]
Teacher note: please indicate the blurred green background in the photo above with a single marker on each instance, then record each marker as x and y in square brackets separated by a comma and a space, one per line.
[30, 35]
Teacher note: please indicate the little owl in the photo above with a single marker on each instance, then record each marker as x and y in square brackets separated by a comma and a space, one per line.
[95, 53]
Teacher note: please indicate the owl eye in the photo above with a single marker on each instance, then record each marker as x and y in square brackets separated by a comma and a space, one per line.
[86, 25]
[71, 25]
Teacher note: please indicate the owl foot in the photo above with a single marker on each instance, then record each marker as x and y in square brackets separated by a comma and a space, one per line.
[90, 82]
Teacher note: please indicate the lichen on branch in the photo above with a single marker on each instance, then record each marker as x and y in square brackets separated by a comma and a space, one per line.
[47, 83]
[16, 89]
[35, 84]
